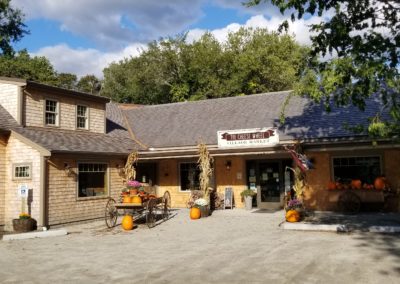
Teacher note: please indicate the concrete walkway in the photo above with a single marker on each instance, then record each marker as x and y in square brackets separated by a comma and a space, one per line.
[232, 246]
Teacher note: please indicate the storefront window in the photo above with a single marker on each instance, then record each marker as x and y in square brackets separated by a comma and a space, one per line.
[364, 168]
[189, 176]
[92, 180]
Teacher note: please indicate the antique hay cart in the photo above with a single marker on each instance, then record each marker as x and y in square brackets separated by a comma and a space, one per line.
[151, 208]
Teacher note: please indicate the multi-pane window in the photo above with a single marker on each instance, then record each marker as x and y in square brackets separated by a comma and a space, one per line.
[92, 179]
[51, 113]
[81, 117]
[189, 176]
[364, 168]
[22, 171]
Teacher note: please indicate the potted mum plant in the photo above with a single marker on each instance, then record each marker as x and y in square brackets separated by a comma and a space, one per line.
[294, 210]
[204, 207]
[25, 223]
[247, 195]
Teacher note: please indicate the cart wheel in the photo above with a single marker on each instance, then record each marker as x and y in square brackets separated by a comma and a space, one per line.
[151, 214]
[349, 202]
[111, 213]
[166, 205]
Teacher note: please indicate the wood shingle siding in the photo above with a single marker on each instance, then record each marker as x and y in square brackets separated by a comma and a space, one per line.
[9, 98]
[2, 178]
[34, 111]
[18, 152]
[64, 205]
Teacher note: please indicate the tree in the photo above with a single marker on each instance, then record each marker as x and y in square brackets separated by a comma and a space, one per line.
[89, 84]
[24, 66]
[66, 81]
[363, 39]
[173, 70]
[12, 28]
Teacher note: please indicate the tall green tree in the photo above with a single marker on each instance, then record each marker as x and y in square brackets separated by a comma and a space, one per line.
[174, 70]
[363, 39]
[12, 28]
[89, 84]
[22, 65]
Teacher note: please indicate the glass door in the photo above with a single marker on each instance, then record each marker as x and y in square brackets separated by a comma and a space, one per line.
[269, 179]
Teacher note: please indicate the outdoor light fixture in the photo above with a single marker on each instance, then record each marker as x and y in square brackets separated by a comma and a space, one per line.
[228, 164]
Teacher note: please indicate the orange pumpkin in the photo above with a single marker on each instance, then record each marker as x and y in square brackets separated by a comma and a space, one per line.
[331, 185]
[356, 184]
[127, 222]
[195, 213]
[136, 199]
[380, 183]
[127, 199]
[292, 216]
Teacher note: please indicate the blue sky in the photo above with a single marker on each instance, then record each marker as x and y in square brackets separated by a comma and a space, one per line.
[83, 37]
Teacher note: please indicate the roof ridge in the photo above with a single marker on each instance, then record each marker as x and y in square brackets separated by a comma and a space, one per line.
[205, 100]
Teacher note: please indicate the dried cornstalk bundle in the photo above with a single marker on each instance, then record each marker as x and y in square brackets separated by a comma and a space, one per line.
[205, 165]
[129, 169]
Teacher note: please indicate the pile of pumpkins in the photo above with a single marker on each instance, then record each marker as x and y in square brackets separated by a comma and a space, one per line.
[379, 184]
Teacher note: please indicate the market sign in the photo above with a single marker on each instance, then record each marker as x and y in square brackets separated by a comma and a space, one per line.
[256, 137]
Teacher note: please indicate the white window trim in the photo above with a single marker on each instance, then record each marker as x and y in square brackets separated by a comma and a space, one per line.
[14, 166]
[107, 195]
[87, 117]
[58, 113]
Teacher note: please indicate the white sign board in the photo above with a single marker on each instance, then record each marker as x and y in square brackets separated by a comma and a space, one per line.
[23, 190]
[248, 138]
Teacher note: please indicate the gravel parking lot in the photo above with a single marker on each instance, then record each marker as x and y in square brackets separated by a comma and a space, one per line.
[232, 246]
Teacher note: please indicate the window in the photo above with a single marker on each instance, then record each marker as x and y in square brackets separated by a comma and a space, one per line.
[22, 171]
[51, 113]
[364, 168]
[92, 180]
[189, 176]
[81, 117]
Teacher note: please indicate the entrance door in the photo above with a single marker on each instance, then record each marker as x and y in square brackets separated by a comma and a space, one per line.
[270, 180]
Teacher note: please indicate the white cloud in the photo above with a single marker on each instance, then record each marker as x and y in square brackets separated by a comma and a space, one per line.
[116, 23]
[298, 28]
[92, 61]
[85, 61]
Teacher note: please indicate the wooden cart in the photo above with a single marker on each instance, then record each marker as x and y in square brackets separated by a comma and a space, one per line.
[350, 201]
[151, 209]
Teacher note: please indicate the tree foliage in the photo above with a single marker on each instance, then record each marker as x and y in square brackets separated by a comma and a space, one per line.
[174, 70]
[39, 69]
[12, 28]
[362, 39]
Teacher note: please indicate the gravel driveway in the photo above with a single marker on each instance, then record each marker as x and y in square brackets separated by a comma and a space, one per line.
[232, 246]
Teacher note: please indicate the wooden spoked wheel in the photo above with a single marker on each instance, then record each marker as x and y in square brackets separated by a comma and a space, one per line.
[349, 203]
[151, 213]
[111, 213]
[166, 205]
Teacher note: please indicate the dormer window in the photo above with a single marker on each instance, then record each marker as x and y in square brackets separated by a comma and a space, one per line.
[51, 113]
[81, 117]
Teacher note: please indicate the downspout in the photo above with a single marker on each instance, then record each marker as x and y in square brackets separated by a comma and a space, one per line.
[43, 221]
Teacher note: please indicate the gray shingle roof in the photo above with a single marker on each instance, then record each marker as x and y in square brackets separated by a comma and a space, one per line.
[184, 124]
[56, 140]
[6, 120]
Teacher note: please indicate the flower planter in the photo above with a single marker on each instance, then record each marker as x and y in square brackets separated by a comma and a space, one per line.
[248, 201]
[205, 211]
[24, 225]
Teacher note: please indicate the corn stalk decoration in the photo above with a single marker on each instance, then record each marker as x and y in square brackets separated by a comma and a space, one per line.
[205, 165]
[129, 169]
[299, 185]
